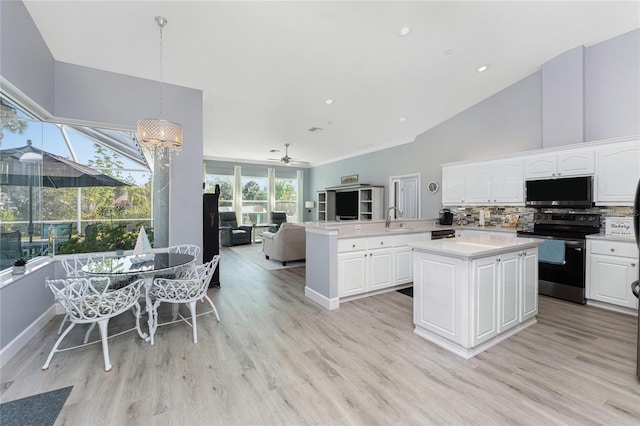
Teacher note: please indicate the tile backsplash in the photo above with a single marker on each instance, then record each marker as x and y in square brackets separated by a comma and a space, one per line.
[472, 214]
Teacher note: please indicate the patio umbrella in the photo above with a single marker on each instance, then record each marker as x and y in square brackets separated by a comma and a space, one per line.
[16, 168]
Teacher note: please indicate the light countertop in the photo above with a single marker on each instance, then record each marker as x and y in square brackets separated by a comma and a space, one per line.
[476, 246]
[398, 227]
[602, 236]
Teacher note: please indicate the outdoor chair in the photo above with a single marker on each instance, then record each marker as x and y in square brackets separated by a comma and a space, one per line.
[61, 233]
[10, 248]
[188, 290]
[232, 234]
[92, 300]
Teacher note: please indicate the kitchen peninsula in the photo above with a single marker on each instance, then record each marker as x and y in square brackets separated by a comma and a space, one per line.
[354, 259]
[473, 292]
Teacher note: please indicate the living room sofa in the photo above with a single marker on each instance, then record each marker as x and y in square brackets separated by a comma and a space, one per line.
[286, 245]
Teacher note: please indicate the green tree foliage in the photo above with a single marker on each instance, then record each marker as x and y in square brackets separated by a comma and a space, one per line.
[285, 190]
[253, 191]
[226, 186]
[10, 121]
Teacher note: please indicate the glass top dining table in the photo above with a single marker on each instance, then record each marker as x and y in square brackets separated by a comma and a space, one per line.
[146, 266]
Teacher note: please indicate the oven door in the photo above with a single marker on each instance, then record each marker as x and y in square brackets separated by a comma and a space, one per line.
[561, 268]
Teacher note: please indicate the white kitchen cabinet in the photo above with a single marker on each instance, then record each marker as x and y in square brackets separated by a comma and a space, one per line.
[403, 265]
[611, 268]
[365, 264]
[572, 162]
[509, 280]
[352, 273]
[477, 184]
[484, 183]
[453, 180]
[507, 184]
[468, 305]
[528, 288]
[374, 263]
[484, 296]
[617, 173]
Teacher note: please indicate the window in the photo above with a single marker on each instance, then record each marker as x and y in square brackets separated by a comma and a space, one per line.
[286, 196]
[33, 197]
[254, 200]
[225, 202]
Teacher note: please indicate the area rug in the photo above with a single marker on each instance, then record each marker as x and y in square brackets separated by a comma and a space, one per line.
[254, 254]
[37, 410]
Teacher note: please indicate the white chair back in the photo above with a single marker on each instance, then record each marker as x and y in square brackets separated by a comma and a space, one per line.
[191, 249]
[87, 299]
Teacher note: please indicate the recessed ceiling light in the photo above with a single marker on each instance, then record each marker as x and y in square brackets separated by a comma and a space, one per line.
[483, 68]
[328, 101]
[448, 52]
[404, 31]
[403, 119]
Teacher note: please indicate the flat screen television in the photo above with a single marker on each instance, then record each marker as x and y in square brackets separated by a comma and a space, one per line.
[347, 205]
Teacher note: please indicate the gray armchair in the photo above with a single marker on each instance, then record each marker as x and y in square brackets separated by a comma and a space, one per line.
[277, 219]
[231, 234]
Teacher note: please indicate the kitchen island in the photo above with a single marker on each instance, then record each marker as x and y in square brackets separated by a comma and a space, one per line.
[471, 293]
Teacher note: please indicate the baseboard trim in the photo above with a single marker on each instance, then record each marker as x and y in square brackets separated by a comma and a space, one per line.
[21, 340]
[615, 308]
[321, 299]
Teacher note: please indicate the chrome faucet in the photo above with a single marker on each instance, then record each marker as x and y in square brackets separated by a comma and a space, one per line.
[388, 222]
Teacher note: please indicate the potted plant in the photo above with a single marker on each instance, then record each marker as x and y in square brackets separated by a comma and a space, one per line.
[19, 266]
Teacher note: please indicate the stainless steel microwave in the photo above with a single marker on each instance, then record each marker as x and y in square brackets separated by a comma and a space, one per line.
[575, 192]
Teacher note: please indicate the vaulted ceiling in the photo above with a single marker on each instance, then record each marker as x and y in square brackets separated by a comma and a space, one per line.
[267, 69]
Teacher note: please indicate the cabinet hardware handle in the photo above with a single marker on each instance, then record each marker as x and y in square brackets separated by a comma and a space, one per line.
[613, 249]
[633, 264]
[353, 246]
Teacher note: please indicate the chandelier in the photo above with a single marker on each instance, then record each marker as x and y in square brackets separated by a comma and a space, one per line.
[157, 134]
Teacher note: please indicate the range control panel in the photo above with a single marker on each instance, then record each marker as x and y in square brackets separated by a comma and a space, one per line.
[575, 219]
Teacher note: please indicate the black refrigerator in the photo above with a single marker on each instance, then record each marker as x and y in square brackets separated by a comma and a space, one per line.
[635, 286]
[210, 235]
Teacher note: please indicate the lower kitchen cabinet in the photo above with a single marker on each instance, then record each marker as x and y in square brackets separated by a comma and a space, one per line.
[611, 268]
[374, 263]
[471, 303]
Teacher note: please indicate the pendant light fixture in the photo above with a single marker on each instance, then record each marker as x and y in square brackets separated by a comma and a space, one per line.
[157, 134]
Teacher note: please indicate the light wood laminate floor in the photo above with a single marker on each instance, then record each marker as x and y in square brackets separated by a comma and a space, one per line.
[278, 358]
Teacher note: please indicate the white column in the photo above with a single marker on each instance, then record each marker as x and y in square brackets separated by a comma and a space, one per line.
[300, 196]
[237, 192]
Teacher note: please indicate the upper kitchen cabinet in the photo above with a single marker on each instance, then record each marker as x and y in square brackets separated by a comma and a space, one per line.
[484, 183]
[617, 174]
[453, 185]
[574, 162]
[507, 183]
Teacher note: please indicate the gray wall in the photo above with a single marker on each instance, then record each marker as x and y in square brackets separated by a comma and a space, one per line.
[511, 121]
[22, 302]
[612, 88]
[562, 99]
[25, 60]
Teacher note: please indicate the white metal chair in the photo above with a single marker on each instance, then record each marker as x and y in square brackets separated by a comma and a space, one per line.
[191, 249]
[89, 300]
[188, 290]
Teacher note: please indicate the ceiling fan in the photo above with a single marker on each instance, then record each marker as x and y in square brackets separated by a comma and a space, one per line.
[286, 159]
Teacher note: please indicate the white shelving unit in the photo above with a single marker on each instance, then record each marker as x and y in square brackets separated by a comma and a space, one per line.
[326, 206]
[370, 202]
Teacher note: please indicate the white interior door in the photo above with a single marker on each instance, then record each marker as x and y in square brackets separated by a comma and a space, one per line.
[405, 194]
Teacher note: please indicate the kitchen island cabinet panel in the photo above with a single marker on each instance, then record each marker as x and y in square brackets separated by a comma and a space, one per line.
[471, 293]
